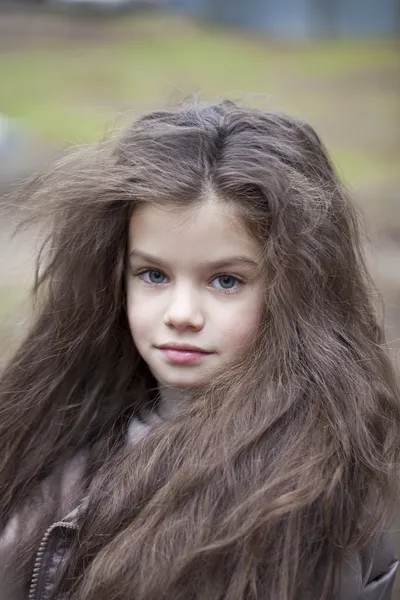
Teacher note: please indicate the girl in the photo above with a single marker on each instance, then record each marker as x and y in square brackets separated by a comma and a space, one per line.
[203, 408]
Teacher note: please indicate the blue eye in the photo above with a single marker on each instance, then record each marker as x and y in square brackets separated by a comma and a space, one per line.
[227, 283]
[153, 276]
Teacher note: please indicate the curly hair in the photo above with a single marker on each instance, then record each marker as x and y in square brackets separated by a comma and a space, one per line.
[282, 465]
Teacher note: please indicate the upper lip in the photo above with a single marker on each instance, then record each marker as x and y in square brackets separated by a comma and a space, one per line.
[183, 347]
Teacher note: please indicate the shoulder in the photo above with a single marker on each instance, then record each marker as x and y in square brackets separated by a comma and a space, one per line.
[65, 482]
[22, 524]
[370, 574]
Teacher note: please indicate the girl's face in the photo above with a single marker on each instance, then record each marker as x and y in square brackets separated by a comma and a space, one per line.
[194, 289]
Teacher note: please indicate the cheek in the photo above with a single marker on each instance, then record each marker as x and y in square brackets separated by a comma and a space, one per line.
[239, 327]
[243, 332]
[138, 316]
[134, 320]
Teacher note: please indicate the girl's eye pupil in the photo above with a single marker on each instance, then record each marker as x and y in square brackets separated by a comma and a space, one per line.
[155, 276]
[227, 281]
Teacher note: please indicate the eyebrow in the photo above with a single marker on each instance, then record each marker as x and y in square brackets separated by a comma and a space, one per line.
[217, 264]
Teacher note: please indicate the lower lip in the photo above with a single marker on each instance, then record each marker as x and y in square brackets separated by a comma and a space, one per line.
[182, 357]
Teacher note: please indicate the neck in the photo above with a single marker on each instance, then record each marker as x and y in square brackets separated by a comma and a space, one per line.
[172, 401]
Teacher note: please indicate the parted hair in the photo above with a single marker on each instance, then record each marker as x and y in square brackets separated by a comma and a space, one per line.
[288, 460]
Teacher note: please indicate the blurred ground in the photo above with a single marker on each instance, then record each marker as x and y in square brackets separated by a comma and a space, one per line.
[66, 77]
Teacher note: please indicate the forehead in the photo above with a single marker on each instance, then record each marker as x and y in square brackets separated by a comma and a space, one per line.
[208, 231]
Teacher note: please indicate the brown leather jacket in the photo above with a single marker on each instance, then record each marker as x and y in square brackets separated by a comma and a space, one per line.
[367, 576]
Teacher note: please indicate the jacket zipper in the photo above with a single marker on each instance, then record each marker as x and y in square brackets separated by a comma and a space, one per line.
[40, 557]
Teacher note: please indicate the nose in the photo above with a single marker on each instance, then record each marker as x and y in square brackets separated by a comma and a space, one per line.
[183, 310]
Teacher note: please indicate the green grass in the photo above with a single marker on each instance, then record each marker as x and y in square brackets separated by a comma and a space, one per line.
[356, 167]
[12, 300]
[15, 308]
[71, 93]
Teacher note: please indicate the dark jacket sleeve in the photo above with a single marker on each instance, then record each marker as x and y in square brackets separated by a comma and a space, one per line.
[370, 575]
[380, 571]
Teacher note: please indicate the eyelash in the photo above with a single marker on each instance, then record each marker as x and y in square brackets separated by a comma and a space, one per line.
[239, 281]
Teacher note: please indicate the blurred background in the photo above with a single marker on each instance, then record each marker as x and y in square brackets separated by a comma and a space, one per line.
[71, 70]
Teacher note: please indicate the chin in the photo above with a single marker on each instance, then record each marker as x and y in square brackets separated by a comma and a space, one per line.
[182, 383]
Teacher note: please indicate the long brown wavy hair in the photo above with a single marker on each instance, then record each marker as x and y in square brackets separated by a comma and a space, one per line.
[288, 461]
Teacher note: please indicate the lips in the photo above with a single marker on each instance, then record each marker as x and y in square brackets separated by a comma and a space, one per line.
[182, 354]
[183, 348]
